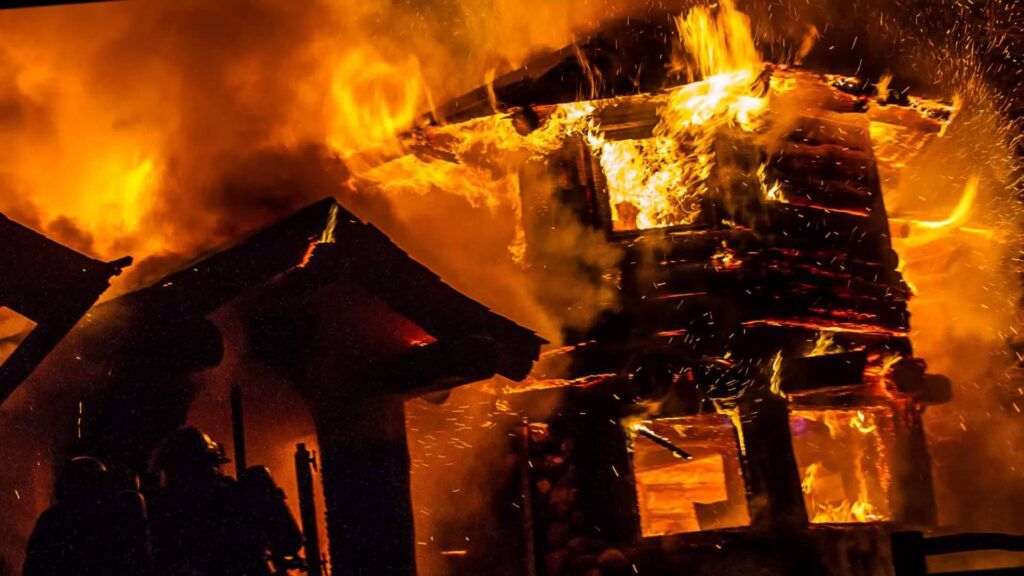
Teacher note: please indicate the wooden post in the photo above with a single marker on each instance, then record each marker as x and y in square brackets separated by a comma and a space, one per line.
[606, 483]
[773, 481]
[305, 463]
[365, 464]
[912, 493]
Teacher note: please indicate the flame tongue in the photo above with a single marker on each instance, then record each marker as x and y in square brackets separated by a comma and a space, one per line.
[659, 181]
[652, 182]
[716, 41]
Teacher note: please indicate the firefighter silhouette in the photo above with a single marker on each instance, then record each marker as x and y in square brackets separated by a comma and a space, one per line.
[207, 524]
[93, 529]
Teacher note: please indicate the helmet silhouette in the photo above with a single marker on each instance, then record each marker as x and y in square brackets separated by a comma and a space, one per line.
[82, 476]
[189, 450]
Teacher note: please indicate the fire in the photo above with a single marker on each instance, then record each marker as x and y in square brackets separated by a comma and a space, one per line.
[775, 382]
[726, 259]
[477, 159]
[368, 115]
[651, 183]
[825, 344]
[838, 489]
[647, 183]
[660, 181]
[923, 232]
[373, 101]
[772, 192]
[716, 42]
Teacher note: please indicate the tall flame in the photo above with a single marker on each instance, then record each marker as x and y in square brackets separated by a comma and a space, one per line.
[716, 41]
[659, 181]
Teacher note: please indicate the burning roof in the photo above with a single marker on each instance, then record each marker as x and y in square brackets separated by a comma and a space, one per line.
[326, 242]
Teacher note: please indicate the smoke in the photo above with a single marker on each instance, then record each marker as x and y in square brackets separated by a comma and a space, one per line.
[165, 129]
[965, 315]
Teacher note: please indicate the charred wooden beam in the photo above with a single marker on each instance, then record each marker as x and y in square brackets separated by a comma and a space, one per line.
[51, 285]
[775, 498]
[623, 58]
[238, 428]
[663, 442]
[10, 4]
[972, 541]
[911, 549]
[440, 365]
[913, 492]
[1014, 571]
[305, 463]
[822, 372]
[910, 379]
[908, 557]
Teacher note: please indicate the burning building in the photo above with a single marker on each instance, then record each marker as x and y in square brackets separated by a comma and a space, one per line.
[751, 399]
[733, 386]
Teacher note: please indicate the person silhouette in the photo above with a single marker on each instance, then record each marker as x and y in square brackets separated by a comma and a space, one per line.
[202, 524]
[92, 529]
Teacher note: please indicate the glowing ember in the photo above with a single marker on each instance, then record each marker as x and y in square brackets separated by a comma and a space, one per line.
[776, 377]
[726, 259]
[825, 344]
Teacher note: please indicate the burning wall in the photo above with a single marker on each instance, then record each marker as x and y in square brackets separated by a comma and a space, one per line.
[644, 189]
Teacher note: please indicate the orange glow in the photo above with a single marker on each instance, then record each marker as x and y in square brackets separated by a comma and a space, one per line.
[843, 456]
[373, 100]
[919, 232]
[675, 495]
[118, 169]
[717, 43]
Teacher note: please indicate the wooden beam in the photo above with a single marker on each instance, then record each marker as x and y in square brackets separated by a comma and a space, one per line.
[11, 4]
[50, 284]
[913, 492]
[773, 483]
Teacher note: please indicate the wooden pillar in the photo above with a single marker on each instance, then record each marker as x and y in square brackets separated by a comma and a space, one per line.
[365, 462]
[605, 477]
[912, 493]
[773, 480]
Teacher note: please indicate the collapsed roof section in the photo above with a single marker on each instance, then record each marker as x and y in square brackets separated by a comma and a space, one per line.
[625, 57]
[50, 284]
